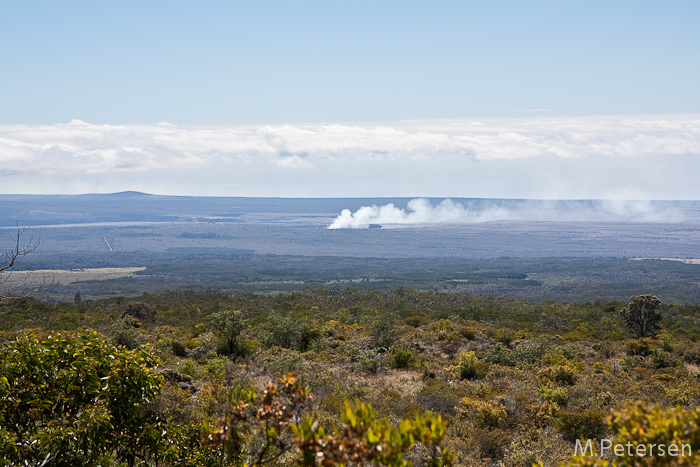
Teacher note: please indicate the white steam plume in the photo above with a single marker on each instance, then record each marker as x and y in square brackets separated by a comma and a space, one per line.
[418, 211]
[421, 211]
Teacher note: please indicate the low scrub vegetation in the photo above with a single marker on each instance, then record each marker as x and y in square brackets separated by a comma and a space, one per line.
[380, 378]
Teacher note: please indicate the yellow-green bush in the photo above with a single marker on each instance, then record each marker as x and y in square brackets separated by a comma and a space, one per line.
[641, 426]
[581, 423]
[491, 414]
[470, 367]
[562, 374]
[416, 321]
[548, 392]
[683, 393]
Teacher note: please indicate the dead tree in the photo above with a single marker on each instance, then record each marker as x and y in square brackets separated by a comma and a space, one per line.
[21, 249]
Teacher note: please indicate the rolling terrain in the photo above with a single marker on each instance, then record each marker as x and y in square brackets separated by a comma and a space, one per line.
[560, 250]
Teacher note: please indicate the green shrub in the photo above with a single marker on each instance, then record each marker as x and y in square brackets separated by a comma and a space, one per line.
[561, 356]
[416, 321]
[641, 347]
[216, 368]
[178, 349]
[402, 358]
[581, 423]
[504, 336]
[562, 374]
[370, 365]
[549, 393]
[384, 332]
[189, 368]
[247, 347]
[122, 333]
[650, 425]
[528, 351]
[76, 400]
[663, 359]
[501, 355]
[229, 326]
[467, 331]
[366, 363]
[470, 367]
[602, 399]
[286, 362]
[289, 333]
[682, 393]
[140, 310]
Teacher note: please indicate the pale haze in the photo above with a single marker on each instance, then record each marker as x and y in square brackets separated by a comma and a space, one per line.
[543, 100]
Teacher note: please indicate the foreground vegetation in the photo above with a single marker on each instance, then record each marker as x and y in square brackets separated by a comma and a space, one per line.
[193, 378]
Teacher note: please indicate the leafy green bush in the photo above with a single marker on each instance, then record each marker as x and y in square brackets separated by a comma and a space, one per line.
[361, 440]
[683, 392]
[216, 368]
[504, 336]
[124, 334]
[285, 362]
[501, 355]
[384, 332]
[562, 374]
[178, 349]
[471, 367]
[297, 334]
[76, 400]
[229, 325]
[416, 321]
[641, 347]
[140, 310]
[467, 331]
[549, 393]
[402, 358]
[190, 368]
[581, 423]
[528, 351]
[602, 399]
[663, 359]
[366, 363]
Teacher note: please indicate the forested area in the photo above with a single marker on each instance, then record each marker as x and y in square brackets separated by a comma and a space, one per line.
[198, 378]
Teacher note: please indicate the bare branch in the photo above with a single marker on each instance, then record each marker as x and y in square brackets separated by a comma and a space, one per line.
[11, 257]
[20, 250]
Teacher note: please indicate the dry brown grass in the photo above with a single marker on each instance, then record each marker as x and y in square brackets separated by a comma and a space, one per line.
[63, 276]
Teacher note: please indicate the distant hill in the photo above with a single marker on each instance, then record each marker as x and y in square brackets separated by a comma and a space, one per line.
[133, 206]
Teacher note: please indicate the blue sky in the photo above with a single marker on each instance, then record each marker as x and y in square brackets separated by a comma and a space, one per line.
[239, 68]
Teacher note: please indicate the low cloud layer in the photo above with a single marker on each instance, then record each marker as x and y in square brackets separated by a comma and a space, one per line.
[422, 211]
[605, 156]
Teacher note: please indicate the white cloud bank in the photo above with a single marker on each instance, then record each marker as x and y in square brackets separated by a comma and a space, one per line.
[601, 156]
